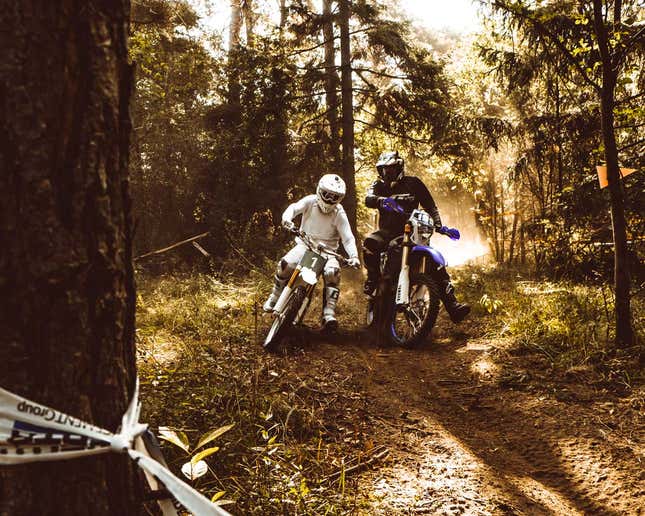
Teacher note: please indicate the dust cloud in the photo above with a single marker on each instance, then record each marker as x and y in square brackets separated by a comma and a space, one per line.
[458, 211]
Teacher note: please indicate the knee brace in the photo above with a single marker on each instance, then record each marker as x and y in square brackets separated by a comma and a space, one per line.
[441, 275]
[370, 246]
[331, 276]
[284, 270]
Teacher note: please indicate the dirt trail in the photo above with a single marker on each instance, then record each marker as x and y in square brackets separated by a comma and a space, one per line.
[474, 429]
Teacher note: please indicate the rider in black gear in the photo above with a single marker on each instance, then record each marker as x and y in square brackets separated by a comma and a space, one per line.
[408, 192]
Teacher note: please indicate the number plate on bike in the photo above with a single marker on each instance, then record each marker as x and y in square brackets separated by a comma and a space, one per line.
[314, 261]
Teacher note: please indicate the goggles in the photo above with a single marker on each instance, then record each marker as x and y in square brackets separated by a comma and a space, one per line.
[330, 197]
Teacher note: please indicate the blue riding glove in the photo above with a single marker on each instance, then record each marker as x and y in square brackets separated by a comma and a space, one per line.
[389, 204]
[452, 233]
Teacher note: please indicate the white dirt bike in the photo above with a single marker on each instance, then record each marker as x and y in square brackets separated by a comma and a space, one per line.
[291, 306]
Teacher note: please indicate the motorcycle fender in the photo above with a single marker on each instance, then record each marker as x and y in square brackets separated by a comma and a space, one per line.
[433, 253]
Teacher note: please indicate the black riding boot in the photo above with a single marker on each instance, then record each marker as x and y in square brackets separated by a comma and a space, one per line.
[456, 311]
[371, 264]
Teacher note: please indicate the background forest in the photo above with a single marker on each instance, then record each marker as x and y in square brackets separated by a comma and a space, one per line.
[127, 126]
[229, 128]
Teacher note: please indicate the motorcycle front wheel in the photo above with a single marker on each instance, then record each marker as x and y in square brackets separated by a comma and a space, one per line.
[284, 320]
[411, 324]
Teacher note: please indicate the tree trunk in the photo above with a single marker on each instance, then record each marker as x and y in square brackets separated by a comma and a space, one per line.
[235, 26]
[511, 251]
[283, 14]
[493, 190]
[502, 223]
[331, 85]
[624, 332]
[66, 277]
[348, 112]
[522, 243]
[249, 21]
[234, 89]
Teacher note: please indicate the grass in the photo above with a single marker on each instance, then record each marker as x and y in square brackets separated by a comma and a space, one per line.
[571, 324]
[202, 368]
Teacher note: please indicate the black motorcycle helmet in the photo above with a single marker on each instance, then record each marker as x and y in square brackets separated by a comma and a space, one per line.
[390, 167]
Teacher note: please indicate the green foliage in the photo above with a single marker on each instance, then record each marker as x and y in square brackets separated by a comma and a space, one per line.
[173, 81]
[546, 58]
[211, 382]
[491, 305]
[202, 308]
[570, 323]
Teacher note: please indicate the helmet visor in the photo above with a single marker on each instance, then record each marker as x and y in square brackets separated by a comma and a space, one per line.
[391, 172]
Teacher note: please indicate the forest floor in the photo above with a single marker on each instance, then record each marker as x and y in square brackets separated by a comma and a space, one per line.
[469, 423]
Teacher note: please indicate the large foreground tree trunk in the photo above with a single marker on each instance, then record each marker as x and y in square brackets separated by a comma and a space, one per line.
[344, 13]
[66, 278]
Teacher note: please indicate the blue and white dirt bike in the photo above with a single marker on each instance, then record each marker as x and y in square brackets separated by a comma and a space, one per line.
[291, 306]
[404, 307]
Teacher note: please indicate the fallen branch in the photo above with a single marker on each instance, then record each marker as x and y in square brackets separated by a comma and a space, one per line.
[159, 251]
[451, 382]
[374, 458]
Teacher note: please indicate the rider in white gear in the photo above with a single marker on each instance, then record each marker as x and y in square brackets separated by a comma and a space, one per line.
[325, 221]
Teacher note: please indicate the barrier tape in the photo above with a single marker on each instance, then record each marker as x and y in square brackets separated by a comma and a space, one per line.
[30, 432]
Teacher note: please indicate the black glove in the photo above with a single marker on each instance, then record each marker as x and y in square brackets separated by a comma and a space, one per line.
[289, 226]
[436, 219]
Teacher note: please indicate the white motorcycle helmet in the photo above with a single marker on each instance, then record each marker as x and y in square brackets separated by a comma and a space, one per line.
[330, 191]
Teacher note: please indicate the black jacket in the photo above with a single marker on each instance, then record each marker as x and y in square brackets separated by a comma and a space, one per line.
[394, 222]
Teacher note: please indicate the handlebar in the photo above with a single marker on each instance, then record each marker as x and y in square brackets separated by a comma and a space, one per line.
[317, 246]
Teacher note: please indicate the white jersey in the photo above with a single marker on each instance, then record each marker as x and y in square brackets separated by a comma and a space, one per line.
[328, 228]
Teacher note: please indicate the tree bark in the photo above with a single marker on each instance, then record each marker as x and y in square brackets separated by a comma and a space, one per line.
[331, 85]
[348, 112]
[66, 276]
[234, 89]
[522, 244]
[624, 332]
[511, 251]
[249, 21]
[235, 26]
[502, 223]
[283, 14]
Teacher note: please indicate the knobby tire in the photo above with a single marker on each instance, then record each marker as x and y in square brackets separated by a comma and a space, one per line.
[281, 325]
[429, 319]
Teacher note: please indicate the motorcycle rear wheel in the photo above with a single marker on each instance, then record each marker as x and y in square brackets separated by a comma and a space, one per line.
[411, 324]
[283, 321]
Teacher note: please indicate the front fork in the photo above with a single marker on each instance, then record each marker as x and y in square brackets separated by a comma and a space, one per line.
[293, 282]
[305, 304]
[286, 291]
[402, 297]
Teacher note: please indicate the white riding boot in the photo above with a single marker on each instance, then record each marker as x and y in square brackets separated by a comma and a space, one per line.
[329, 309]
[278, 286]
